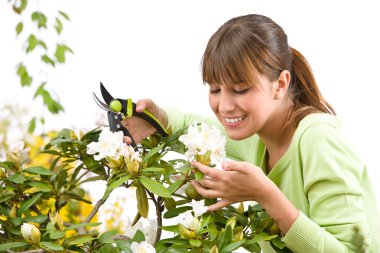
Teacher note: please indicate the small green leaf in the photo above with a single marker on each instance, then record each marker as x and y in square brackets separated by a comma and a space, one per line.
[11, 245]
[56, 234]
[60, 52]
[37, 219]
[117, 183]
[78, 239]
[153, 151]
[40, 19]
[25, 78]
[76, 226]
[58, 26]
[155, 187]
[139, 236]
[32, 43]
[17, 179]
[27, 204]
[172, 228]
[176, 211]
[32, 125]
[19, 28]
[43, 187]
[52, 246]
[195, 243]
[107, 236]
[39, 170]
[48, 60]
[63, 14]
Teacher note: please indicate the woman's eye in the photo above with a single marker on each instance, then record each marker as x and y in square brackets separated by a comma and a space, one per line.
[241, 91]
[214, 91]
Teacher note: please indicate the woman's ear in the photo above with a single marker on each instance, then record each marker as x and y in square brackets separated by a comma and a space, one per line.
[282, 84]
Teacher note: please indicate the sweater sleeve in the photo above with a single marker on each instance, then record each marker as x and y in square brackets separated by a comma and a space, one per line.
[332, 174]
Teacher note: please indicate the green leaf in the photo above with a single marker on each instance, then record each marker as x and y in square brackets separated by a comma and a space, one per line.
[107, 236]
[139, 237]
[56, 234]
[117, 183]
[233, 246]
[78, 239]
[32, 125]
[252, 246]
[48, 60]
[32, 43]
[21, 6]
[176, 211]
[52, 246]
[44, 187]
[175, 186]
[39, 18]
[16, 178]
[39, 170]
[63, 14]
[27, 204]
[25, 78]
[155, 187]
[58, 26]
[172, 228]
[153, 169]
[153, 151]
[42, 44]
[195, 243]
[19, 28]
[76, 226]
[11, 245]
[60, 52]
[37, 219]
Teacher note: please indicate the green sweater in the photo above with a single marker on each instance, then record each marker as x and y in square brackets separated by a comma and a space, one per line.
[322, 176]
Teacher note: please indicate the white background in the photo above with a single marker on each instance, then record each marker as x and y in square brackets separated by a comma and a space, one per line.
[153, 49]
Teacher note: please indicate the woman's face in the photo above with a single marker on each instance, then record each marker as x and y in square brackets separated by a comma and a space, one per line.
[243, 109]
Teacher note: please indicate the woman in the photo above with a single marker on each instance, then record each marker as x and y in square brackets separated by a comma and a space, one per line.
[291, 154]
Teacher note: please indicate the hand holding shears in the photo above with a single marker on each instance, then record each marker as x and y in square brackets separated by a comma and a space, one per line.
[120, 109]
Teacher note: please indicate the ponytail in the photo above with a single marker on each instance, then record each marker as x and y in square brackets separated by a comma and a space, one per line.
[307, 97]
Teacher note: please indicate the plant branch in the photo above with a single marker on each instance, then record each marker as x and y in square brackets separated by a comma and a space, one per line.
[95, 210]
[158, 203]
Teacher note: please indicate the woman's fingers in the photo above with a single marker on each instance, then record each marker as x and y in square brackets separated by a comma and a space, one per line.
[207, 171]
[207, 193]
[219, 205]
[242, 167]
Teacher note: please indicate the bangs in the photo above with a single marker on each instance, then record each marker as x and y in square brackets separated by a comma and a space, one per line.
[227, 61]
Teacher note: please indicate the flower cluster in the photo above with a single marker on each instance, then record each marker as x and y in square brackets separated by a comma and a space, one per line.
[205, 144]
[119, 155]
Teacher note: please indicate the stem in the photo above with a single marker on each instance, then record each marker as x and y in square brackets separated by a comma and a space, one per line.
[95, 210]
[158, 203]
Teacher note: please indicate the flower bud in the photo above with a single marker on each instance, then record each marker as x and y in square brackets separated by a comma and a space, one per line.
[231, 222]
[2, 174]
[12, 212]
[15, 160]
[240, 208]
[238, 234]
[57, 221]
[204, 159]
[214, 249]
[186, 233]
[115, 164]
[31, 233]
[191, 193]
[132, 165]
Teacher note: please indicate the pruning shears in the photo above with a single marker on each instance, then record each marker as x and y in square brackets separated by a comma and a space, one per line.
[118, 109]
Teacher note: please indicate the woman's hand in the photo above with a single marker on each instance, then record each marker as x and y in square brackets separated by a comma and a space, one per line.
[237, 182]
[139, 128]
[242, 181]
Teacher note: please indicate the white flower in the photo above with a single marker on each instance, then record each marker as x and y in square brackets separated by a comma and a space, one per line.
[142, 247]
[200, 141]
[149, 229]
[199, 207]
[30, 233]
[110, 144]
[1, 231]
[187, 220]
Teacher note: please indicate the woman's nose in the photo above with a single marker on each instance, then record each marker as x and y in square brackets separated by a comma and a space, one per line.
[226, 103]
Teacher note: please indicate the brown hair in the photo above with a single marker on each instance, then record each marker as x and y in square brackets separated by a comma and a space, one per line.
[249, 45]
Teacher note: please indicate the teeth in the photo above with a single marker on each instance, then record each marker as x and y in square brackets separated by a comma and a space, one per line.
[234, 120]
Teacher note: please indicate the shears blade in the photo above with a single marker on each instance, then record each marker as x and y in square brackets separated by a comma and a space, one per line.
[106, 95]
